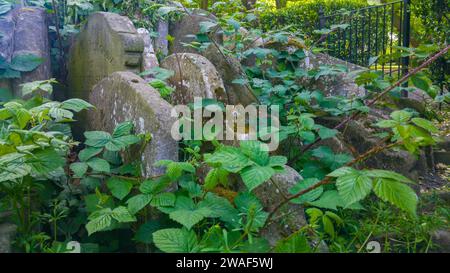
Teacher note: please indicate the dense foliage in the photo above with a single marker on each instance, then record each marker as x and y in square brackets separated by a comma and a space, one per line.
[61, 190]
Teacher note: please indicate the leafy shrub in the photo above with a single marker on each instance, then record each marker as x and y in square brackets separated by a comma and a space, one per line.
[304, 15]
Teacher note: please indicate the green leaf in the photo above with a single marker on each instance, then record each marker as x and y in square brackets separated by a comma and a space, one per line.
[25, 62]
[138, 202]
[277, 161]
[165, 199]
[328, 226]
[354, 186]
[120, 143]
[420, 82]
[256, 151]
[389, 175]
[45, 161]
[309, 196]
[341, 171]
[76, 105]
[99, 165]
[174, 240]
[214, 177]
[122, 215]
[401, 116]
[398, 194]
[88, 153]
[187, 213]
[97, 139]
[325, 133]
[425, 124]
[296, 243]
[387, 123]
[119, 187]
[253, 176]
[123, 129]
[79, 169]
[230, 158]
[101, 221]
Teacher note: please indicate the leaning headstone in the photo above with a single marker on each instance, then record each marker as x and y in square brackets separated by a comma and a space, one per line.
[149, 59]
[229, 68]
[107, 43]
[194, 76]
[124, 96]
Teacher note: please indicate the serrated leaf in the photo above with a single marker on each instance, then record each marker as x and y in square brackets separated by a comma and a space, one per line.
[166, 199]
[174, 240]
[389, 175]
[398, 194]
[425, 124]
[230, 158]
[99, 223]
[97, 139]
[123, 129]
[122, 215]
[99, 165]
[119, 187]
[138, 202]
[296, 243]
[79, 168]
[253, 176]
[353, 187]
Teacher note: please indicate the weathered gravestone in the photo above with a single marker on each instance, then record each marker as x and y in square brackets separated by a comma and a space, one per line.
[107, 43]
[194, 76]
[228, 67]
[149, 59]
[124, 96]
[25, 32]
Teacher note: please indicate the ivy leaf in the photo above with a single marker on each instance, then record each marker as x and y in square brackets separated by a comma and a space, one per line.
[138, 202]
[79, 168]
[398, 194]
[174, 240]
[119, 187]
[253, 176]
[99, 165]
[354, 186]
[25, 62]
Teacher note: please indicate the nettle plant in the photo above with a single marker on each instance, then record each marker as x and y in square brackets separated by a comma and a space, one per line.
[332, 181]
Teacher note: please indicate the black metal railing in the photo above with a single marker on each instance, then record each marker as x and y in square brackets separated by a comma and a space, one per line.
[368, 34]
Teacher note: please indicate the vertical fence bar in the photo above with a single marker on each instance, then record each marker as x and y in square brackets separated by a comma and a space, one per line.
[400, 40]
[384, 39]
[391, 33]
[406, 39]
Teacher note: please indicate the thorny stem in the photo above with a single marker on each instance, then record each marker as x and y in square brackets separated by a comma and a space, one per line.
[382, 94]
[327, 180]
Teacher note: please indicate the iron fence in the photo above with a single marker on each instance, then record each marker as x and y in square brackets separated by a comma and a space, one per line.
[368, 36]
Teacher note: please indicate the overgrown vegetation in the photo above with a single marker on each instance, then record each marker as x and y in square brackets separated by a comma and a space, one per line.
[94, 192]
